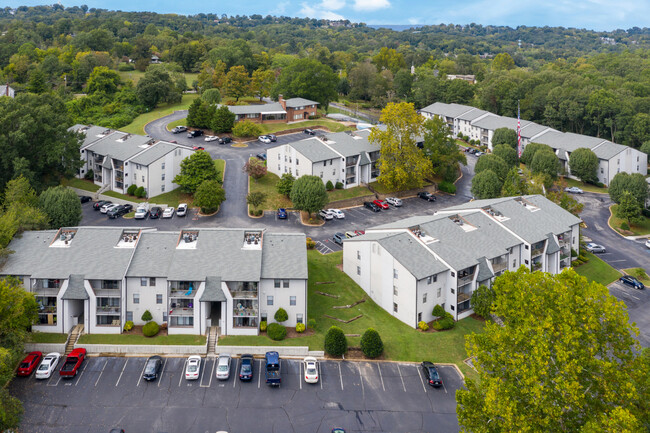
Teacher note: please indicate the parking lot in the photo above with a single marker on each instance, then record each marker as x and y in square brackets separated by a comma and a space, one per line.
[358, 396]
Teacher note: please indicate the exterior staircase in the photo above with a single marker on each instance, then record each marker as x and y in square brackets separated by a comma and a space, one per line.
[72, 339]
[101, 190]
[213, 336]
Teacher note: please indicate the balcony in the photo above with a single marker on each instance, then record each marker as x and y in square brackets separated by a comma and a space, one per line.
[108, 310]
[465, 280]
[181, 312]
[183, 289]
[463, 296]
[349, 162]
[537, 252]
[536, 266]
[244, 294]
[499, 266]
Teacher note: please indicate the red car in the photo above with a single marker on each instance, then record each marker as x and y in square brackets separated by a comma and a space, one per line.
[29, 363]
[382, 204]
[198, 148]
[360, 232]
[73, 362]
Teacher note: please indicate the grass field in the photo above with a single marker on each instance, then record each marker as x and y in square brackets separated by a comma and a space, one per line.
[331, 125]
[597, 270]
[81, 184]
[46, 337]
[401, 342]
[633, 271]
[135, 76]
[642, 228]
[173, 198]
[124, 197]
[381, 189]
[266, 185]
[342, 194]
[137, 126]
[586, 186]
[163, 340]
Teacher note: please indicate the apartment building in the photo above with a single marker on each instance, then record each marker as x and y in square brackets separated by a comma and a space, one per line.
[283, 111]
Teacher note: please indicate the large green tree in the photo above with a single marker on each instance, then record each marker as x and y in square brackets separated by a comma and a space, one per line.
[514, 184]
[634, 183]
[103, 80]
[583, 163]
[545, 162]
[157, 86]
[492, 162]
[308, 194]
[441, 149]
[628, 209]
[563, 356]
[486, 184]
[237, 83]
[505, 136]
[307, 78]
[21, 206]
[285, 184]
[530, 150]
[62, 206]
[200, 114]
[195, 169]
[224, 119]
[209, 195]
[507, 154]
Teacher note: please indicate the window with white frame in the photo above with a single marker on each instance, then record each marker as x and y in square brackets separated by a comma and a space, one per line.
[424, 298]
[143, 281]
[136, 298]
[439, 292]
[276, 284]
[163, 165]
[292, 300]
[394, 307]
[358, 270]
[159, 299]
[269, 300]
[395, 273]
[394, 290]
[358, 255]
[299, 318]
[162, 177]
[162, 187]
[285, 284]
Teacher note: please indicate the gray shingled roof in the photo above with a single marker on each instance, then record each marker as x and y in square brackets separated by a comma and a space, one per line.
[313, 149]
[284, 256]
[212, 291]
[531, 129]
[107, 162]
[75, 289]
[553, 246]
[91, 133]
[28, 249]
[494, 122]
[448, 110]
[473, 114]
[121, 150]
[273, 107]
[412, 255]
[299, 102]
[154, 254]
[364, 159]
[484, 272]
[348, 144]
[608, 150]
[154, 153]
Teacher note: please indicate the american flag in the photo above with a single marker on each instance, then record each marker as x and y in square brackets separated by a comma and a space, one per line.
[518, 131]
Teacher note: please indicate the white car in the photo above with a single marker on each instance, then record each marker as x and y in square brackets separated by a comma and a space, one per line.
[108, 207]
[336, 213]
[223, 367]
[325, 214]
[48, 365]
[193, 367]
[211, 138]
[647, 243]
[168, 212]
[141, 213]
[264, 139]
[394, 201]
[574, 190]
[595, 248]
[182, 210]
[310, 365]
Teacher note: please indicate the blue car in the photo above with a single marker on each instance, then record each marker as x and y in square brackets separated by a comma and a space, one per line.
[282, 214]
[631, 281]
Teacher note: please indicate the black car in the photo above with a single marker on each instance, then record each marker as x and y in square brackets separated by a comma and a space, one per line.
[427, 196]
[272, 137]
[309, 131]
[85, 198]
[246, 369]
[155, 212]
[225, 140]
[631, 281]
[370, 205]
[338, 238]
[431, 374]
[179, 129]
[195, 133]
[152, 368]
[119, 211]
[98, 204]
[261, 156]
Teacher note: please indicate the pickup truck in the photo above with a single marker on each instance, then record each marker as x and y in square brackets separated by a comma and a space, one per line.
[73, 362]
[272, 369]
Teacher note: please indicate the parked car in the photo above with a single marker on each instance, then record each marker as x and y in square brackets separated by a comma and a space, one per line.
[394, 201]
[647, 243]
[193, 367]
[225, 140]
[120, 210]
[350, 235]
[325, 214]
[152, 368]
[107, 207]
[273, 138]
[85, 198]
[336, 213]
[272, 368]
[471, 150]
[310, 365]
[28, 364]
[182, 210]
[631, 281]
[198, 148]
[360, 232]
[98, 204]
[155, 212]
[282, 214]
[382, 204]
[338, 430]
[209, 138]
[263, 139]
[47, 366]
[370, 205]
[309, 131]
[142, 211]
[431, 374]
[246, 368]
[179, 129]
[574, 190]
[195, 133]
[478, 153]
[338, 238]
[595, 248]
[426, 196]
[223, 367]
[73, 362]
[168, 212]
[261, 156]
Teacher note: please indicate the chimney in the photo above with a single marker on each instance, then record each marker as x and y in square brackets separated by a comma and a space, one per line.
[282, 102]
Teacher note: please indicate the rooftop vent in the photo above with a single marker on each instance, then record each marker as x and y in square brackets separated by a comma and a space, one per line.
[424, 237]
[124, 138]
[495, 214]
[128, 239]
[526, 204]
[63, 238]
[188, 240]
[252, 240]
[462, 222]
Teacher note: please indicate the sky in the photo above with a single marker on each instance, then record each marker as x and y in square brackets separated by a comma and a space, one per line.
[598, 15]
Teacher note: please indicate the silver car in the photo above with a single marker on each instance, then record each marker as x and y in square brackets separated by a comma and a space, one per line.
[595, 248]
[394, 201]
[223, 367]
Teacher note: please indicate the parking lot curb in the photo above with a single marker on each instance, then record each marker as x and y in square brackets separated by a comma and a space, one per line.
[610, 226]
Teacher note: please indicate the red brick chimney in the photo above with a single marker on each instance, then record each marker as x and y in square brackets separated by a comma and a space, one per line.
[282, 102]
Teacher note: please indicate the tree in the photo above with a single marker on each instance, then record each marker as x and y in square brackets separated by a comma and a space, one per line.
[11, 410]
[403, 83]
[583, 163]
[362, 80]
[505, 136]
[645, 148]
[482, 301]
[371, 344]
[503, 62]
[200, 114]
[62, 206]
[256, 199]
[335, 342]
[442, 150]
[281, 315]
[486, 184]
[633, 183]
[262, 82]
[389, 58]
[255, 168]
[156, 86]
[37, 82]
[402, 165]
[560, 336]
[212, 96]
[103, 81]
[195, 169]
[237, 83]
[285, 184]
[545, 162]
[209, 196]
[308, 194]
[514, 184]
[146, 316]
[629, 208]
[494, 163]
[507, 154]
[530, 150]
[21, 206]
[224, 119]
[246, 128]
[307, 78]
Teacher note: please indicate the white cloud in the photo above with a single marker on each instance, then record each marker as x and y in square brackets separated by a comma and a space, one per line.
[316, 12]
[331, 5]
[370, 5]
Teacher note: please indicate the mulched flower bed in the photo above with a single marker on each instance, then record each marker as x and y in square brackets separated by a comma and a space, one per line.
[355, 353]
[137, 330]
[291, 332]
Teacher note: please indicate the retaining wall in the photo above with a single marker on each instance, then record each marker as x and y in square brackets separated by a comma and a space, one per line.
[45, 347]
[130, 349]
[358, 201]
[299, 351]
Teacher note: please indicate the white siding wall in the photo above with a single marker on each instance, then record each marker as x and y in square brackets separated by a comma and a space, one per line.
[147, 299]
[431, 291]
[281, 299]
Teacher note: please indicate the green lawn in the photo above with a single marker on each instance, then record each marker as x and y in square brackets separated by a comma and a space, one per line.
[643, 228]
[179, 122]
[331, 125]
[633, 271]
[266, 185]
[586, 186]
[173, 198]
[136, 75]
[402, 343]
[137, 126]
[46, 337]
[597, 270]
[81, 184]
[124, 196]
[163, 340]
[341, 194]
[381, 189]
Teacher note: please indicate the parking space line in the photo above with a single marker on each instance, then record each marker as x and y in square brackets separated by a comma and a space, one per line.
[400, 376]
[381, 377]
[340, 375]
[101, 372]
[211, 372]
[363, 390]
[119, 378]
[300, 373]
[82, 373]
[181, 378]
[320, 374]
[417, 369]
[142, 372]
[259, 375]
[162, 372]
[234, 379]
[444, 387]
[49, 382]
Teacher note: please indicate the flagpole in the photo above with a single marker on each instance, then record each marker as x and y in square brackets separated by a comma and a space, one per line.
[518, 131]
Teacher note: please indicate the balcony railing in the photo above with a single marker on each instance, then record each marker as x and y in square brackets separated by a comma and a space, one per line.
[499, 266]
[465, 280]
[48, 309]
[181, 311]
[245, 312]
[537, 252]
[244, 294]
[45, 291]
[350, 162]
[536, 266]
[108, 310]
[462, 297]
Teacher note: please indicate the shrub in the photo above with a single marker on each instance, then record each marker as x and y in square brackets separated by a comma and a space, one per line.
[246, 128]
[447, 187]
[339, 185]
[150, 329]
[140, 192]
[423, 325]
[438, 311]
[335, 342]
[276, 331]
[599, 184]
[311, 323]
[124, 67]
[263, 326]
[639, 273]
[625, 226]
[281, 315]
[482, 300]
[90, 175]
[300, 328]
[146, 316]
[371, 344]
[329, 185]
[574, 253]
[311, 244]
[131, 189]
[128, 325]
[645, 212]
[447, 322]
[314, 117]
